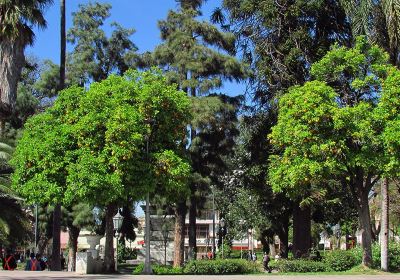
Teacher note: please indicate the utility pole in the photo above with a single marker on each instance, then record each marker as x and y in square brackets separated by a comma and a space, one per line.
[213, 225]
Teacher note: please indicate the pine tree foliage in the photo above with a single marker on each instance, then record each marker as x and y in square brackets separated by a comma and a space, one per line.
[196, 54]
[280, 39]
[95, 56]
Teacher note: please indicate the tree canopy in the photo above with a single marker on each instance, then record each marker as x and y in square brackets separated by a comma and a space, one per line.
[92, 144]
[333, 127]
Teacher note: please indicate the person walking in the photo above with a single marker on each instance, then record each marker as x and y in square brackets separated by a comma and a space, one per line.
[9, 262]
[266, 260]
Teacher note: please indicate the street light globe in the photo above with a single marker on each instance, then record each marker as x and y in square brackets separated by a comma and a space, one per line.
[222, 222]
[117, 221]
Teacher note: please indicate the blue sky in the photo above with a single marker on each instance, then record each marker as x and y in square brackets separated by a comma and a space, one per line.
[138, 14]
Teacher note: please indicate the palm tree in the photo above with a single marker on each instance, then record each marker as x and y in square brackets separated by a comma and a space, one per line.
[379, 20]
[57, 214]
[17, 18]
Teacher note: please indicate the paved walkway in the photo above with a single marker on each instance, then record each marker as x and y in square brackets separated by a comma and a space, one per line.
[45, 275]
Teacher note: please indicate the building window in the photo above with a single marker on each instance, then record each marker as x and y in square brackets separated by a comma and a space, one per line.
[201, 231]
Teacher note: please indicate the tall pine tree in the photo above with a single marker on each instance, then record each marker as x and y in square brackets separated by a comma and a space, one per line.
[198, 57]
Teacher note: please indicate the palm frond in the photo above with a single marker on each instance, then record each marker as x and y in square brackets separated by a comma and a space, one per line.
[391, 9]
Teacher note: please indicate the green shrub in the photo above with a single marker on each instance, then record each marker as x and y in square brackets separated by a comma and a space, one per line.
[394, 256]
[221, 266]
[166, 270]
[126, 253]
[159, 270]
[227, 251]
[139, 269]
[340, 260]
[299, 265]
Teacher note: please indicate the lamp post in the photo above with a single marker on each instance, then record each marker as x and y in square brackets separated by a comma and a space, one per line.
[222, 228]
[117, 222]
[147, 264]
[36, 228]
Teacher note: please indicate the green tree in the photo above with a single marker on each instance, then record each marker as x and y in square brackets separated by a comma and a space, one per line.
[95, 56]
[332, 127]
[92, 145]
[250, 157]
[379, 20]
[16, 32]
[198, 57]
[281, 40]
[14, 223]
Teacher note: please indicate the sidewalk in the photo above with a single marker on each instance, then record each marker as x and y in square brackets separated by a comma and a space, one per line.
[46, 275]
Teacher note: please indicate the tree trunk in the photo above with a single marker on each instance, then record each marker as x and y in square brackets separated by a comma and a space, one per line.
[12, 61]
[385, 225]
[73, 247]
[192, 228]
[56, 249]
[301, 230]
[271, 244]
[365, 229]
[109, 262]
[180, 213]
[283, 234]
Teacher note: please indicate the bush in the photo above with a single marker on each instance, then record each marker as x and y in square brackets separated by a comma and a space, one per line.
[139, 269]
[227, 251]
[339, 260]
[126, 253]
[394, 256]
[221, 266]
[159, 270]
[299, 265]
[166, 270]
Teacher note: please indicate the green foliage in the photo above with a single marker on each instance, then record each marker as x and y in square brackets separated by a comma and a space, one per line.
[138, 269]
[126, 253]
[221, 266]
[95, 56]
[226, 249]
[282, 40]
[159, 270]
[198, 48]
[299, 265]
[334, 128]
[20, 17]
[339, 260]
[14, 221]
[105, 142]
[166, 270]
[305, 133]
[394, 256]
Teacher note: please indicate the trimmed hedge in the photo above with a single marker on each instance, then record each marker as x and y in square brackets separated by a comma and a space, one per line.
[299, 265]
[159, 270]
[339, 260]
[221, 266]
